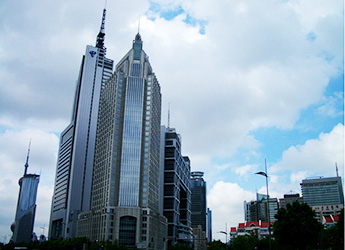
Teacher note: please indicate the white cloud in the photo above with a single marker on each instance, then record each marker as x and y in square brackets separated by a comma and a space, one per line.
[42, 160]
[254, 67]
[317, 156]
[226, 202]
[298, 176]
[245, 170]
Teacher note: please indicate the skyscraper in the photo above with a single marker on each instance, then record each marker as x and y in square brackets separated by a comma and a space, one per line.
[72, 190]
[324, 195]
[177, 193]
[198, 187]
[199, 225]
[322, 191]
[126, 184]
[26, 207]
[258, 210]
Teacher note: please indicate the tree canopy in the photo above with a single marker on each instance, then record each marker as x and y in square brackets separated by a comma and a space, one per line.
[297, 228]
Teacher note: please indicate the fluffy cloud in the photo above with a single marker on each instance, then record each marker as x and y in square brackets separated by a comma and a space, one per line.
[13, 152]
[245, 170]
[226, 202]
[317, 156]
[258, 64]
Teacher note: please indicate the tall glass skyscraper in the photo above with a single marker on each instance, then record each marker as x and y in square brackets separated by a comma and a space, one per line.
[126, 184]
[72, 190]
[23, 226]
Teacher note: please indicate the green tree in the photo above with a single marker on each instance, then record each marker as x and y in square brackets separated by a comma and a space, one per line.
[246, 242]
[296, 227]
[216, 245]
[179, 247]
[333, 238]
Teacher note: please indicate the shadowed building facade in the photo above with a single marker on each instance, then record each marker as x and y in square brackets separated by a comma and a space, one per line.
[199, 209]
[177, 193]
[126, 184]
[72, 189]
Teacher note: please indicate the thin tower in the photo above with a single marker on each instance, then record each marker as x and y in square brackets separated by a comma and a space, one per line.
[27, 159]
[336, 169]
[169, 115]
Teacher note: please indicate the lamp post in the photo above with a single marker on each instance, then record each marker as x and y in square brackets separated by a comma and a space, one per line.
[226, 236]
[268, 205]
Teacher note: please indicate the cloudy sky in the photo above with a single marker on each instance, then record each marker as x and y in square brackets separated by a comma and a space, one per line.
[246, 80]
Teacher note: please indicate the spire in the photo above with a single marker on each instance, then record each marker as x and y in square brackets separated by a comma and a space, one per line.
[27, 159]
[169, 115]
[336, 169]
[101, 34]
[137, 38]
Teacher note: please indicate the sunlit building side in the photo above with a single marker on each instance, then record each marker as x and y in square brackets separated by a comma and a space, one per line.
[72, 189]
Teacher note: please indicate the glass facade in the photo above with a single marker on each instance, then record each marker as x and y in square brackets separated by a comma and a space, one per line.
[198, 188]
[126, 171]
[127, 231]
[131, 145]
[323, 191]
[28, 194]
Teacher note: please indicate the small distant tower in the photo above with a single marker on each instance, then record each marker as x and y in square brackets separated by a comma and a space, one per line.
[23, 226]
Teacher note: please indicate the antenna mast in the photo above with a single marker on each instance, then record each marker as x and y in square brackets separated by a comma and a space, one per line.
[139, 26]
[169, 115]
[27, 159]
[336, 169]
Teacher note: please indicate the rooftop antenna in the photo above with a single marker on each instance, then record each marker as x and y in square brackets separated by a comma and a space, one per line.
[27, 159]
[101, 34]
[336, 169]
[139, 26]
[169, 115]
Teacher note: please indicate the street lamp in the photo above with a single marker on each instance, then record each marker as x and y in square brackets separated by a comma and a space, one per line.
[268, 204]
[226, 236]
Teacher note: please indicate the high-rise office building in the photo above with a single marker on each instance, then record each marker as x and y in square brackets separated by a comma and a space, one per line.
[259, 209]
[126, 184]
[324, 195]
[198, 188]
[199, 212]
[322, 191]
[177, 193]
[72, 190]
[23, 226]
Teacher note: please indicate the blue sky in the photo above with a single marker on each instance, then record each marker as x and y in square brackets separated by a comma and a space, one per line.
[246, 80]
